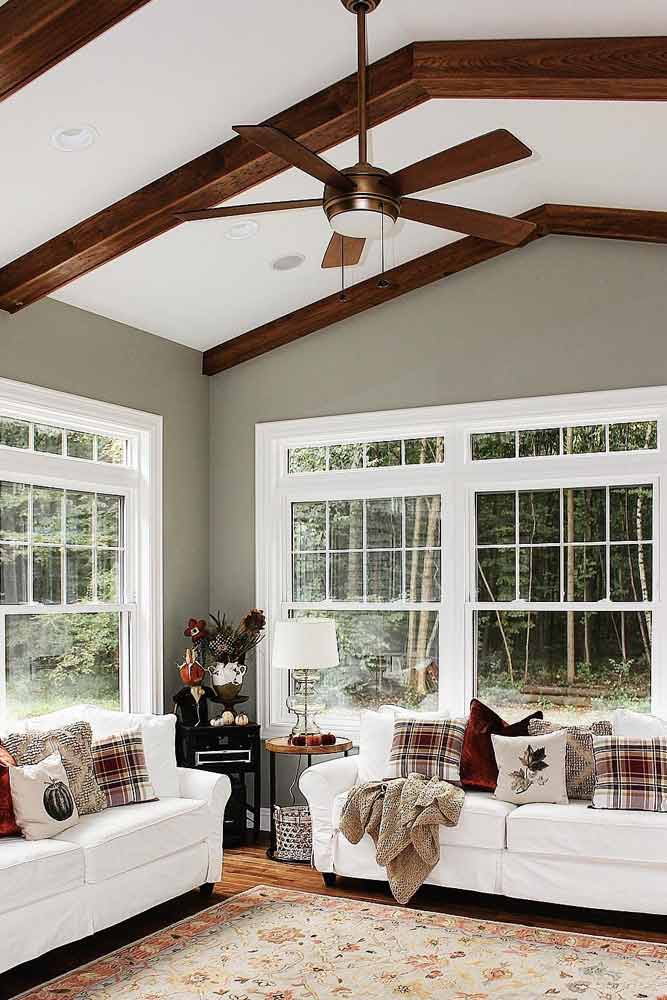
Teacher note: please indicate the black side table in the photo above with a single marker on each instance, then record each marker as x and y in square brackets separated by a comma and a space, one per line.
[231, 750]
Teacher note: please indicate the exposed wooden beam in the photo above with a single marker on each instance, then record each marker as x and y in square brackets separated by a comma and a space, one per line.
[574, 69]
[37, 34]
[573, 220]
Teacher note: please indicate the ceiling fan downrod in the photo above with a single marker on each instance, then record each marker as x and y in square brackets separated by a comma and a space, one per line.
[361, 8]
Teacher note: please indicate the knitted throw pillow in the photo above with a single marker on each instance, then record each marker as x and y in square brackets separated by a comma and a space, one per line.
[120, 767]
[579, 767]
[74, 744]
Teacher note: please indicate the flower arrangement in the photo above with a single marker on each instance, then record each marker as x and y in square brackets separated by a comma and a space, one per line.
[223, 641]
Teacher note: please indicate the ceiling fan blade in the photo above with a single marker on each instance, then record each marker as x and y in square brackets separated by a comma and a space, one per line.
[288, 149]
[226, 211]
[345, 250]
[499, 228]
[495, 149]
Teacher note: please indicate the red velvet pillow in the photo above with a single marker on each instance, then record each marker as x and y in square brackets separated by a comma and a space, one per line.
[8, 827]
[479, 771]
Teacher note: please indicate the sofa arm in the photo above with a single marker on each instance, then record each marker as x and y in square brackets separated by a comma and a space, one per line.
[320, 785]
[214, 790]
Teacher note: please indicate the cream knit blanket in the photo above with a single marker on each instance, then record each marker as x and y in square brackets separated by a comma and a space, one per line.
[402, 815]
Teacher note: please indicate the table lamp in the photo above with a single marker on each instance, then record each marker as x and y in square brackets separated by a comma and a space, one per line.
[304, 646]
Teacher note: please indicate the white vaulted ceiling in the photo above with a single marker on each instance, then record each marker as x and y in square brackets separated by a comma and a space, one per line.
[167, 83]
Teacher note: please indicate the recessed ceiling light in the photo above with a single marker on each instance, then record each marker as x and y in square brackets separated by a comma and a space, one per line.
[288, 262]
[74, 139]
[243, 230]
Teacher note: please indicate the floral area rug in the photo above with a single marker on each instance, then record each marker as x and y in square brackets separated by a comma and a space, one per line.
[275, 944]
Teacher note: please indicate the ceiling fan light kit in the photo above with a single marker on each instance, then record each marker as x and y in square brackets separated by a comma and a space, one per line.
[365, 202]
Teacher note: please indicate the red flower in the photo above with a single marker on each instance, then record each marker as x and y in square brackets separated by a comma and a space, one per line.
[196, 628]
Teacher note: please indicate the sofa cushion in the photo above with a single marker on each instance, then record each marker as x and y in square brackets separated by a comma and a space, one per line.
[575, 830]
[481, 824]
[31, 870]
[119, 840]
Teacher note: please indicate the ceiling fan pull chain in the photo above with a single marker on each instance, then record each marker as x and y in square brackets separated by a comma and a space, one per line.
[342, 296]
[382, 282]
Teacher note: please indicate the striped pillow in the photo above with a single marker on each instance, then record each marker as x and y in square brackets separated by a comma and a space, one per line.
[630, 774]
[432, 748]
[120, 768]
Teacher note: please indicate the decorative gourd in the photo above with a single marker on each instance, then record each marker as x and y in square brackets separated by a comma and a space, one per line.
[58, 801]
[228, 718]
[242, 719]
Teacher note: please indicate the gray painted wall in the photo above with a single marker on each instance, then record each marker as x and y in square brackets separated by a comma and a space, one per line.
[58, 346]
[564, 315]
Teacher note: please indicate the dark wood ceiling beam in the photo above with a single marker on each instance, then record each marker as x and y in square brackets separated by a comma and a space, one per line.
[37, 34]
[572, 220]
[578, 69]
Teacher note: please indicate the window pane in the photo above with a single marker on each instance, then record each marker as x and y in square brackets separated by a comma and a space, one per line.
[424, 451]
[80, 444]
[307, 459]
[78, 518]
[495, 518]
[109, 520]
[386, 657]
[79, 575]
[585, 515]
[110, 449]
[14, 433]
[346, 456]
[108, 576]
[384, 523]
[631, 568]
[585, 573]
[47, 514]
[584, 440]
[573, 665]
[496, 575]
[56, 660]
[309, 577]
[346, 576]
[539, 574]
[631, 513]
[14, 500]
[309, 525]
[422, 521]
[539, 516]
[346, 524]
[384, 573]
[383, 453]
[13, 574]
[422, 571]
[499, 445]
[48, 439]
[46, 575]
[635, 436]
[545, 441]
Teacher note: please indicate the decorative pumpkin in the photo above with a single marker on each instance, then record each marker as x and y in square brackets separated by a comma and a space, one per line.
[191, 671]
[228, 718]
[58, 801]
[242, 719]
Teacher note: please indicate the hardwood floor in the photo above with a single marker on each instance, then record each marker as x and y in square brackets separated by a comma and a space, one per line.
[248, 866]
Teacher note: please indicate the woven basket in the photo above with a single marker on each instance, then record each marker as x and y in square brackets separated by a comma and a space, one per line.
[294, 833]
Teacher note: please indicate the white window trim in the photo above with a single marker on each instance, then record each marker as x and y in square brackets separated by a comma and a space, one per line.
[457, 479]
[139, 481]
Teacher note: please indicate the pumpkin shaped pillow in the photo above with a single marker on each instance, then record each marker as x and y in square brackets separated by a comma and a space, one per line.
[43, 802]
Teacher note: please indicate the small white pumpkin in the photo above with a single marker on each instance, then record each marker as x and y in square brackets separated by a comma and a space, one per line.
[227, 718]
[242, 719]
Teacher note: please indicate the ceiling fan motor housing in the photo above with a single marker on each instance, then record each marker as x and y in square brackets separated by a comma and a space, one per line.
[352, 213]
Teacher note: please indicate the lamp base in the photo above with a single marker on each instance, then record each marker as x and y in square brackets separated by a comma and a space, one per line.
[304, 703]
[305, 725]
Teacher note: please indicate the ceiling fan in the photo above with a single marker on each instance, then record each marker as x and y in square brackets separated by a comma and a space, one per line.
[363, 201]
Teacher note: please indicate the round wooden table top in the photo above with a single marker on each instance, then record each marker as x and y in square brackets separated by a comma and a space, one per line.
[281, 744]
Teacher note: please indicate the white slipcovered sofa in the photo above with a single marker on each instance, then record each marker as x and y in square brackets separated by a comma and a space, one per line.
[569, 854]
[117, 863]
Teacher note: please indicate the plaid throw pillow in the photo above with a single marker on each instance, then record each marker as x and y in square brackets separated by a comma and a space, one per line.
[429, 748]
[120, 768]
[579, 770]
[630, 774]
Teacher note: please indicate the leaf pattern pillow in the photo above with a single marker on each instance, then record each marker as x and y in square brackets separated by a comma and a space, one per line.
[531, 768]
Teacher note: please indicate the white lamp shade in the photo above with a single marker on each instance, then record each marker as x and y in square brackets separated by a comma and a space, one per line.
[305, 644]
